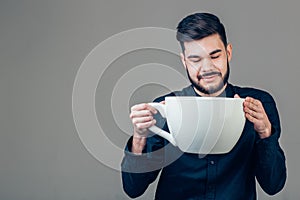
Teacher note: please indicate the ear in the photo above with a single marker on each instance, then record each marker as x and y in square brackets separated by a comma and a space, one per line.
[183, 60]
[229, 51]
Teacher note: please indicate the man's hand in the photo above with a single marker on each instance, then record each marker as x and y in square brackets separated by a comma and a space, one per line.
[142, 118]
[255, 113]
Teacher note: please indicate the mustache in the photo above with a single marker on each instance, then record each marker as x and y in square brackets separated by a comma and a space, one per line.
[200, 76]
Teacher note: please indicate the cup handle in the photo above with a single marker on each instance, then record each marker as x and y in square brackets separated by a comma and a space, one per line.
[162, 110]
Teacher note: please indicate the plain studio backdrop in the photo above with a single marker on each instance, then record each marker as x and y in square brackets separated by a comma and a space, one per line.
[44, 43]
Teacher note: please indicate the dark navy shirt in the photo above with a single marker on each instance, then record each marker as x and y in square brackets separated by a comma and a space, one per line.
[231, 176]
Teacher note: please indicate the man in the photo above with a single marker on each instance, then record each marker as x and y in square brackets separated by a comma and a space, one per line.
[206, 56]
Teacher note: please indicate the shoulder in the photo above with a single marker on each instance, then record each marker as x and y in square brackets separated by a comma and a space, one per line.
[256, 93]
[187, 91]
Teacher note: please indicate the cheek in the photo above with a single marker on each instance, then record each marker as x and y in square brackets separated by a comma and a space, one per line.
[192, 70]
[221, 65]
[193, 73]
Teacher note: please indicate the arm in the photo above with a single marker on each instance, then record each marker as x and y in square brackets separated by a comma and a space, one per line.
[143, 154]
[270, 159]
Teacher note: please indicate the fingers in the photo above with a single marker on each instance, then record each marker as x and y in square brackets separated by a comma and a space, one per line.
[236, 96]
[250, 108]
[253, 106]
[163, 102]
[137, 120]
[143, 126]
[143, 122]
[142, 117]
[255, 113]
[251, 118]
[143, 106]
[140, 113]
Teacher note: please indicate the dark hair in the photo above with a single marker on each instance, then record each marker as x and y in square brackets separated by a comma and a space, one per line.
[198, 26]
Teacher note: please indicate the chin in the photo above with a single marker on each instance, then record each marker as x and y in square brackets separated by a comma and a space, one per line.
[211, 87]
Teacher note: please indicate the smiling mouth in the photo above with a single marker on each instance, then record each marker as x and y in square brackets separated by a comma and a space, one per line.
[208, 76]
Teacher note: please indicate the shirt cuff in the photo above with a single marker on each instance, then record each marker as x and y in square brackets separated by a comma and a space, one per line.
[267, 149]
[146, 162]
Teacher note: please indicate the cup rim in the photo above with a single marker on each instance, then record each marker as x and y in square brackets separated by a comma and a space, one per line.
[203, 98]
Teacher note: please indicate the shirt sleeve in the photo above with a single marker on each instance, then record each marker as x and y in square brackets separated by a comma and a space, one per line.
[270, 165]
[139, 171]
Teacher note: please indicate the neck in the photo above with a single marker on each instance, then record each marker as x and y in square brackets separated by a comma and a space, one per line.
[212, 94]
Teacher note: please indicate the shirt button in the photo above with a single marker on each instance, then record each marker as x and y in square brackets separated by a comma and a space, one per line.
[212, 162]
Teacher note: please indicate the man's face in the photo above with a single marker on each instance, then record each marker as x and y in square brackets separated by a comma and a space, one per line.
[206, 62]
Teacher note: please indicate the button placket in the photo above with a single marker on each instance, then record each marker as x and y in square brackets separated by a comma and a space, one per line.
[211, 177]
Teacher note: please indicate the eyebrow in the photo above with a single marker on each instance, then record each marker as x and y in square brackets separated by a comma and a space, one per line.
[215, 51]
[211, 53]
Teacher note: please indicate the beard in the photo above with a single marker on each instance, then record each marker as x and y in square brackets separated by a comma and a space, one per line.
[210, 90]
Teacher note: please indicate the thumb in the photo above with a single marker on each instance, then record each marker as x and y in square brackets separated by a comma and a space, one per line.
[163, 102]
[236, 96]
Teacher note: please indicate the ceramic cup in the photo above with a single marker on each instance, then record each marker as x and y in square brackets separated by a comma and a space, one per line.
[202, 125]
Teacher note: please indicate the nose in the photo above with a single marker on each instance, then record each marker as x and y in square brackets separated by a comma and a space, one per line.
[207, 65]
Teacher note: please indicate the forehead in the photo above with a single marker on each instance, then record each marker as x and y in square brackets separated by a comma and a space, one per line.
[204, 46]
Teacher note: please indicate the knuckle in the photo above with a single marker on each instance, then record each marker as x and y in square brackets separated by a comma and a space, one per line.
[131, 115]
[134, 121]
[148, 112]
[250, 117]
[258, 102]
[149, 124]
[133, 108]
[139, 126]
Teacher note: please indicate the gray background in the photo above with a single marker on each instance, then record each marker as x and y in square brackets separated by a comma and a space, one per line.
[43, 44]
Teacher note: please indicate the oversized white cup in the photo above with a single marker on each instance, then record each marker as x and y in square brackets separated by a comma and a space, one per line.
[202, 125]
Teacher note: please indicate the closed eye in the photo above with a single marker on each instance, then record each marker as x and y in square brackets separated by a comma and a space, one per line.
[215, 57]
[195, 61]
[215, 54]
